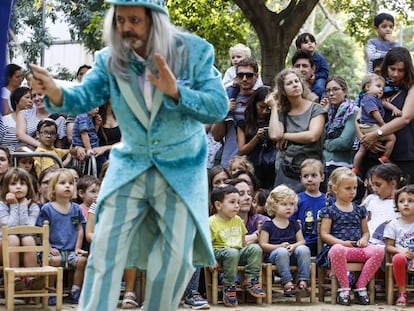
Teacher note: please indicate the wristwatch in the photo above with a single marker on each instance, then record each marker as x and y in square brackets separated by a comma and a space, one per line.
[380, 132]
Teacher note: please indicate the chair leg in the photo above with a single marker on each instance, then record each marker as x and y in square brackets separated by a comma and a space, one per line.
[9, 289]
[334, 288]
[59, 289]
[269, 282]
[313, 283]
[214, 287]
[371, 290]
[208, 285]
[321, 282]
[390, 285]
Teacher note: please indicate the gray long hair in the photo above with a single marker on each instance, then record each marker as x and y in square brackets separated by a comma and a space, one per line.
[162, 40]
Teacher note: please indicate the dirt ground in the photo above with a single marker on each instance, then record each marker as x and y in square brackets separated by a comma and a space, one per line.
[278, 304]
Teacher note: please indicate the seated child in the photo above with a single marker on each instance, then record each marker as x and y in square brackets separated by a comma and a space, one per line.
[372, 117]
[227, 234]
[17, 208]
[282, 239]
[66, 230]
[47, 133]
[310, 201]
[399, 237]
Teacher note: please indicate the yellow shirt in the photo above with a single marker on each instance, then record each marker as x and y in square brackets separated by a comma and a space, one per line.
[227, 233]
[42, 163]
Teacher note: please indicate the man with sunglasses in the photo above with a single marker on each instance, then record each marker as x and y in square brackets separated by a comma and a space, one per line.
[246, 77]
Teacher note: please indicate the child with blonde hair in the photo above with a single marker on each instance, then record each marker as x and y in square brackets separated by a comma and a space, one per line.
[66, 229]
[344, 230]
[372, 117]
[399, 240]
[282, 239]
[237, 53]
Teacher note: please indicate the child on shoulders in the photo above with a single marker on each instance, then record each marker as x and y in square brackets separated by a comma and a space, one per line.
[227, 233]
[310, 201]
[307, 42]
[378, 47]
[282, 239]
[344, 231]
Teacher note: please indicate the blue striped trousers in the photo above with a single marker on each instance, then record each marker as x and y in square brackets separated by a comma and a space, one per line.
[143, 224]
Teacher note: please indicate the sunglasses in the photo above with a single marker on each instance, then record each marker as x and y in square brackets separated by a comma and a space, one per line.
[248, 75]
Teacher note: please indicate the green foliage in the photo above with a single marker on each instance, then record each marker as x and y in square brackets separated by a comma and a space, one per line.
[220, 22]
[360, 15]
[86, 19]
[339, 51]
[61, 73]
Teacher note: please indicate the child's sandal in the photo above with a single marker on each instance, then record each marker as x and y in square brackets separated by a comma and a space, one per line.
[302, 285]
[289, 289]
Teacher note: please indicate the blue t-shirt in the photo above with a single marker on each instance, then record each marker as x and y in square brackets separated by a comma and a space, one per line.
[307, 213]
[369, 104]
[63, 228]
[84, 122]
[278, 235]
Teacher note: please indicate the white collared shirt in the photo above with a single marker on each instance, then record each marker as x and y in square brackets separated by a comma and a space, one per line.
[145, 85]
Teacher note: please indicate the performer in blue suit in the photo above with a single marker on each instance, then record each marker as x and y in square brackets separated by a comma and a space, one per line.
[152, 209]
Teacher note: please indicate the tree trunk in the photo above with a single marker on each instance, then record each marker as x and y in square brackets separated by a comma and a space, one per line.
[275, 31]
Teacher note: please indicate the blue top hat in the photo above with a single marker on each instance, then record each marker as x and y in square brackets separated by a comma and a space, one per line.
[157, 5]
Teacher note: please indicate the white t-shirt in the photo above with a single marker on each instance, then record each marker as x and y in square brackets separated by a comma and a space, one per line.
[5, 94]
[402, 233]
[381, 211]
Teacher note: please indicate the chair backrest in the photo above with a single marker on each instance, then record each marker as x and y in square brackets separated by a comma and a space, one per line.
[42, 248]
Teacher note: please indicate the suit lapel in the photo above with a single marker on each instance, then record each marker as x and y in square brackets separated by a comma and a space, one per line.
[156, 104]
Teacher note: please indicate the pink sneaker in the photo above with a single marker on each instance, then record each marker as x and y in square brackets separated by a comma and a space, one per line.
[402, 300]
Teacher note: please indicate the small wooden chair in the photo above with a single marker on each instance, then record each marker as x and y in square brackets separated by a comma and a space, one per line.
[389, 280]
[44, 271]
[269, 269]
[213, 287]
[332, 284]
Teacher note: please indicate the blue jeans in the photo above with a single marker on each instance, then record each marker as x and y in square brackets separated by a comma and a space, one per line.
[249, 256]
[281, 258]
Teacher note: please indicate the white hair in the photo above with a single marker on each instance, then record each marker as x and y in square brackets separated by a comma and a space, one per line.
[162, 40]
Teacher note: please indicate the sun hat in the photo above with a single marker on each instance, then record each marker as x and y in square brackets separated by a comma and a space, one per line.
[157, 5]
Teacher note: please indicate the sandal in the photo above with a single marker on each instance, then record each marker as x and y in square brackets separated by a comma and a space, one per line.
[289, 289]
[302, 286]
[402, 300]
[129, 301]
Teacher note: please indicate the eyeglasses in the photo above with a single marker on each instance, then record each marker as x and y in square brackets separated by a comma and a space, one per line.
[333, 90]
[248, 75]
[48, 134]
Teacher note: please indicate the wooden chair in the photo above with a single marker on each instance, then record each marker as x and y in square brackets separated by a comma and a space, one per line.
[389, 280]
[213, 287]
[269, 269]
[44, 271]
[330, 283]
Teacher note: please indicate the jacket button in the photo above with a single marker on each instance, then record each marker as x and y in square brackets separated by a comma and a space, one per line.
[155, 141]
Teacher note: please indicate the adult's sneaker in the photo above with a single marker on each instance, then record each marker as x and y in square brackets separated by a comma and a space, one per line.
[195, 301]
[230, 296]
[74, 296]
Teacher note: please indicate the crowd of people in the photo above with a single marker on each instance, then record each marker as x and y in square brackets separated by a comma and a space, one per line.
[278, 160]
